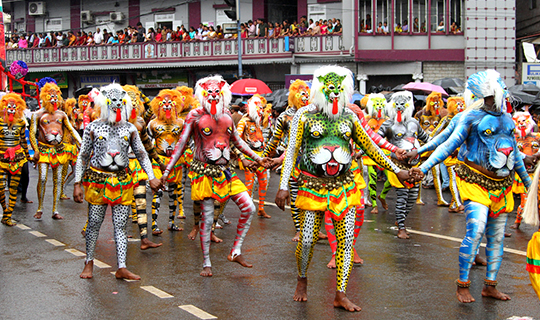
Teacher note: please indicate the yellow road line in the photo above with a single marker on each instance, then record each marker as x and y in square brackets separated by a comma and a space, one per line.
[76, 252]
[158, 293]
[37, 234]
[55, 243]
[201, 314]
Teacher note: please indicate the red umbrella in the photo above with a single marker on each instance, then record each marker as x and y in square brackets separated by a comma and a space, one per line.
[425, 87]
[248, 87]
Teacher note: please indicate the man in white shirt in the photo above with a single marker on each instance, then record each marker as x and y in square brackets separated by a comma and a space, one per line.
[98, 37]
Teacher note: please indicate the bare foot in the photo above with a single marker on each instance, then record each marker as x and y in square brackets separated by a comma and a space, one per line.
[9, 222]
[214, 238]
[193, 234]
[206, 272]
[124, 273]
[263, 214]
[461, 208]
[26, 201]
[507, 235]
[464, 295]
[479, 261]
[383, 203]
[492, 292]
[38, 214]
[420, 202]
[147, 244]
[356, 258]
[64, 197]
[453, 210]
[402, 234]
[515, 226]
[443, 204]
[301, 290]
[296, 237]
[56, 216]
[368, 203]
[322, 236]
[239, 259]
[87, 271]
[157, 231]
[375, 210]
[83, 232]
[332, 263]
[341, 301]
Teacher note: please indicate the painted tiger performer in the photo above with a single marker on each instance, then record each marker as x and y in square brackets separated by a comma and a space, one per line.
[14, 150]
[138, 205]
[50, 124]
[250, 130]
[69, 144]
[488, 158]
[103, 169]
[323, 132]
[528, 143]
[298, 97]
[166, 129]
[212, 129]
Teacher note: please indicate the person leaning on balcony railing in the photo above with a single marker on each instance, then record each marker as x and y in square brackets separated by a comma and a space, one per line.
[90, 39]
[251, 29]
[338, 27]
[324, 27]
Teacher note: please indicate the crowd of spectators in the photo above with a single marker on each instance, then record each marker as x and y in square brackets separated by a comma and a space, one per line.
[130, 34]
[382, 27]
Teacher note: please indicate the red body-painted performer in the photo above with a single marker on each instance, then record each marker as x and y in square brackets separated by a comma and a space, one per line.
[212, 129]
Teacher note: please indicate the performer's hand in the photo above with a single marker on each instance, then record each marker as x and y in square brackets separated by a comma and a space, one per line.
[282, 199]
[78, 193]
[403, 176]
[266, 162]
[163, 180]
[276, 162]
[411, 155]
[416, 174]
[530, 162]
[401, 154]
[156, 184]
[162, 167]
[35, 158]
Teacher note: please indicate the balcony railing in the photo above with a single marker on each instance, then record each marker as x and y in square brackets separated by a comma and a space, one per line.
[149, 52]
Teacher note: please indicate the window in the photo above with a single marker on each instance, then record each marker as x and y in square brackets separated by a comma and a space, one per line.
[532, 4]
[419, 14]
[438, 23]
[401, 18]
[456, 16]
[382, 12]
[365, 12]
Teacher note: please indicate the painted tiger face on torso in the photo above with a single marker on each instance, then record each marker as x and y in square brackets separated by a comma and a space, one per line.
[111, 145]
[212, 138]
[51, 128]
[166, 135]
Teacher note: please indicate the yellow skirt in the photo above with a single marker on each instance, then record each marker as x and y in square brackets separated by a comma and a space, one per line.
[14, 166]
[220, 188]
[111, 191]
[394, 181]
[48, 154]
[175, 176]
[533, 262]
[186, 157]
[336, 201]
[137, 171]
[518, 186]
[498, 201]
[450, 161]
[72, 151]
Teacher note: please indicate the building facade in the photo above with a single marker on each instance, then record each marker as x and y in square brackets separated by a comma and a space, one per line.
[424, 40]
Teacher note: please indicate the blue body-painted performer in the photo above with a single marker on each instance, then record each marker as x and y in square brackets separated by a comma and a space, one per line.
[488, 158]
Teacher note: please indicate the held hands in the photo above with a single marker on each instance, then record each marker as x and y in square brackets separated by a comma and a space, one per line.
[412, 155]
[275, 163]
[401, 154]
[265, 162]
[156, 184]
[282, 199]
[78, 193]
[416, 174]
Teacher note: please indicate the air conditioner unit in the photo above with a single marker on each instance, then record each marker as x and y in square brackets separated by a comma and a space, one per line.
[36, 8]
[87, 16]
[117, 17]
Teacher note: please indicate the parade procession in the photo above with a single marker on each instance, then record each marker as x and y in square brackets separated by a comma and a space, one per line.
[394, 160]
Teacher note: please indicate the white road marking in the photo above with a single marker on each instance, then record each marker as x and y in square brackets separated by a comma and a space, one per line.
[101, 264]
[128, 280]
[133, 240]
[37, 234]
[22, 226]
[369, 220]
[55, 243]
[158, 293]
[76, 252]
[201, 314]
[434, 235]
[266, 203]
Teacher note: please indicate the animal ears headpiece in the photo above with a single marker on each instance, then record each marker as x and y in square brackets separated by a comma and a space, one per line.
[167, 109]
[488, 83]
[332, 89]
[51, 96]
[114, 102]
[405, 102]
[432, 99]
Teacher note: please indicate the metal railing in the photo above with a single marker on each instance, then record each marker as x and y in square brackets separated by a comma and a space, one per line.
[194, 50]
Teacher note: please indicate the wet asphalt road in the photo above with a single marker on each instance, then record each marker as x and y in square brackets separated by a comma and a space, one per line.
[400, 279]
